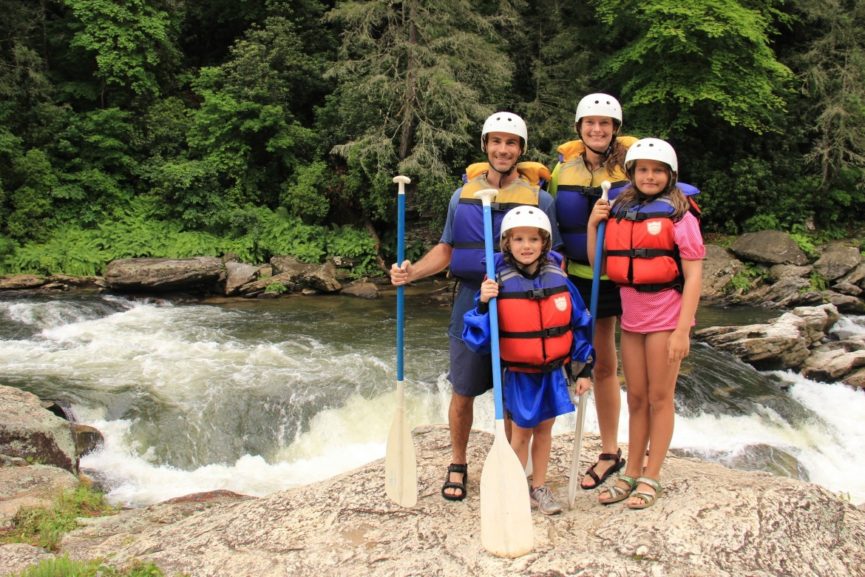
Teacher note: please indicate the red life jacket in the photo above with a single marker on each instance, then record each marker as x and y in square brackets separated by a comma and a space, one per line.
[534, 319]
[641, 247]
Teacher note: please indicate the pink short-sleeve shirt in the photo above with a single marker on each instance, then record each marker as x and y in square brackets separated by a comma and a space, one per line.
[646, 312]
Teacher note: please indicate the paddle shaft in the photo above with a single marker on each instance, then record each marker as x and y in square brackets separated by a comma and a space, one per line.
[400, 290]
[593, 311]
[494, 313]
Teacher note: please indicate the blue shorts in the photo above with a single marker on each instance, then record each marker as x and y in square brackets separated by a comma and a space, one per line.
[609, 302]
[470, 374]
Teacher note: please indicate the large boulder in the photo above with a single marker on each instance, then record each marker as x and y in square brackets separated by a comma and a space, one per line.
[29, 431]
[837, 260]
[201, 274]
[294, 276]
[784, 343]
[709, 521]
[769, 247]
[719, 269]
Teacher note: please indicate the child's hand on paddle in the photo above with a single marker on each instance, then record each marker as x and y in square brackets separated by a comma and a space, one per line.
[582, 385]
[489, 290]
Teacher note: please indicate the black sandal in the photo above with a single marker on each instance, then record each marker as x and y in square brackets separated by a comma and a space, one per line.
[619, 463]
[461, 487]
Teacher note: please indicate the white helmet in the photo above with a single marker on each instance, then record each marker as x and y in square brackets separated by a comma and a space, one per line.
[529, 216]
[506, 122]
[599, 104]
[652, 149]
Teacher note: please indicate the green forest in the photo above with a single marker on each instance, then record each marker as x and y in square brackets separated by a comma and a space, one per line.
[175, 128]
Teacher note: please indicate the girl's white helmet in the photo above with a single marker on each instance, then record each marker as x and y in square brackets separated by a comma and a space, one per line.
[652, 149]
[599, 104]
[506, 122]
[528, 216]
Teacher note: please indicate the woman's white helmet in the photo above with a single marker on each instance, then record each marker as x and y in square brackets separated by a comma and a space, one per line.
[528, 216]
[506, 122]
[652, 149]
[599, 104]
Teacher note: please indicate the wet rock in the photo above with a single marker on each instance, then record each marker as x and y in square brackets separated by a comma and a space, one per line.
[710, 520]
[30, 432]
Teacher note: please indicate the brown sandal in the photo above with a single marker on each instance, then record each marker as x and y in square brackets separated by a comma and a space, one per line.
[618, 464]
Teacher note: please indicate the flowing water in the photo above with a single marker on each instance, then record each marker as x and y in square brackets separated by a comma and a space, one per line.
[258, 396]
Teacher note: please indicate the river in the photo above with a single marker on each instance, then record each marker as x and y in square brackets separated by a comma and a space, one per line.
[256, 396]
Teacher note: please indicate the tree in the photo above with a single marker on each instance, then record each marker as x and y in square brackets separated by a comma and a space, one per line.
[415, 81]
[680, 62]
[131, 42]
[833, 77]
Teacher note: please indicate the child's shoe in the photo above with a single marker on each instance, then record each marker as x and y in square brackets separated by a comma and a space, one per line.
[545, 501]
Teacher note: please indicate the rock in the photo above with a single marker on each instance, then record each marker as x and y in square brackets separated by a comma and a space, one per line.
[362, 289]
[856, 379]
[709, 521]
[160, 275]
[31, 486]
[295, 276]
[719, 268]
[769, 246]
[833, 360]
[837, 260]
[15, 557]
[29, 431]
[846, 304]
[855, 276]
[21, 282]
[782, 271]
[87, 438]
[783, 343]
[237, 275]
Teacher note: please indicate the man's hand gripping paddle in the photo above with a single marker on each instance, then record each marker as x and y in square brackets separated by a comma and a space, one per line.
[400, 463]
[506, 512]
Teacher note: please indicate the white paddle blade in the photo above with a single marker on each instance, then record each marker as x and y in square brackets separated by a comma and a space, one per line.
[506, 512]
[400, 463]
[578, 446]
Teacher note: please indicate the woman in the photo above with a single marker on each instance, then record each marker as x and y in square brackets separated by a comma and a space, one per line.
[583, 165]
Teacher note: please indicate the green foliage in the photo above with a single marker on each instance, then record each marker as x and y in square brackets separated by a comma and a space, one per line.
[742, 280]
[44, 527]
[805, 242]
[357, 246]
[130, 41]
[415, 82]
[818, 282]
[64, 567]
[707, 58]
[305, 198]
[275, 288]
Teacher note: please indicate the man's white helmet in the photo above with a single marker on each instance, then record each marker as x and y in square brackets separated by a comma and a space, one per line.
[652, 149]
[506, 122]
[529, 216]
[599, 104]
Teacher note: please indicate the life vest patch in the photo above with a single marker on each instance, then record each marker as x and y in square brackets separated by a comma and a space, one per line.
[654, 227]
[561, 303]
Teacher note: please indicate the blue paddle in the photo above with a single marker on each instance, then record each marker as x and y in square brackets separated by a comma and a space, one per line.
[506, 512]
[400, 463]
[593, 310]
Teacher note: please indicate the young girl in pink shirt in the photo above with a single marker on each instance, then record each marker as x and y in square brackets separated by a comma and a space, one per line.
[653, 250]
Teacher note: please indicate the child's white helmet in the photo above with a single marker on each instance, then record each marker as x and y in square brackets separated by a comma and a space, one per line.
[528, 216]
[599, 104]
[506, 122]
[652, 149]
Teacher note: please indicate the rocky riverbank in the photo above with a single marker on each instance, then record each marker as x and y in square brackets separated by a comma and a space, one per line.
[710, 521]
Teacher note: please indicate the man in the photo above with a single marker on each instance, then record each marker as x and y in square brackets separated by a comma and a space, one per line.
[504, 139]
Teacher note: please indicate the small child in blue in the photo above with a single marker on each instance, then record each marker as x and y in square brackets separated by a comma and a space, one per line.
[544, 331]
